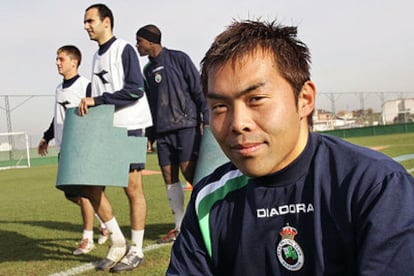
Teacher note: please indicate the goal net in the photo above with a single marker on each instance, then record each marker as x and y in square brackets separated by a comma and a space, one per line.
[14, 150]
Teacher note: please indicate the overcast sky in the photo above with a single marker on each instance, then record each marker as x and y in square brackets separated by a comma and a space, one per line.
[356, 45]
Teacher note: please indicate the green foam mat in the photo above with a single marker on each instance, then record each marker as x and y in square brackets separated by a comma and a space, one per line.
[94, 152]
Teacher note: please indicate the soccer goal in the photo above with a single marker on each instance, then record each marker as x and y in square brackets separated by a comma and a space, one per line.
[14, 150]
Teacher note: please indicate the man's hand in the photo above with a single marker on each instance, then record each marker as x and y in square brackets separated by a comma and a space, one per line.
[42, 148]
[150, 148]
[84, 104]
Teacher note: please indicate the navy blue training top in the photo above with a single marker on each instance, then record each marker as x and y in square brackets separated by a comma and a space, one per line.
[174, 91]
[338, 209]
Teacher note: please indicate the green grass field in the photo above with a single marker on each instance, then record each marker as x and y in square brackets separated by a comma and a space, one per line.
[39, 228]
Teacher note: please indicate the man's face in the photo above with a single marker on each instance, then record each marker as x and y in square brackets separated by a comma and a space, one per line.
[254, 116]
[143, 46]
[65, 64]
[93, 24]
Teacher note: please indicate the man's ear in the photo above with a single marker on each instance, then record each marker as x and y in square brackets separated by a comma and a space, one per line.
[107, 22]
[306, 99]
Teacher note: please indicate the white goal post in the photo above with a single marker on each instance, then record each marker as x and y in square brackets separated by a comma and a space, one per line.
[14, 150]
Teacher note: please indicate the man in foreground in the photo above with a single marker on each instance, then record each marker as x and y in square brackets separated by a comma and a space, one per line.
[290, 202]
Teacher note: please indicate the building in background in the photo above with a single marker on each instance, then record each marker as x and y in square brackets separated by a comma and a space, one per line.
[398, 111]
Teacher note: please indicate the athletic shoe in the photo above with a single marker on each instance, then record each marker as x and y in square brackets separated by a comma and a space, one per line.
[114, 255]
[170, 237]
[129, 262]
[84, 247]
[187, 186]
[103, 236]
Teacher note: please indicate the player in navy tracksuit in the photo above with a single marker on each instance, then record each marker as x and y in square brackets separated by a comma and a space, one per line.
[178, 109]
[176, 98]
[290, 202]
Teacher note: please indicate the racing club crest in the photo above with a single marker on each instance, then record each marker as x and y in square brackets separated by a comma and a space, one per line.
[288, 251]
[157, 77]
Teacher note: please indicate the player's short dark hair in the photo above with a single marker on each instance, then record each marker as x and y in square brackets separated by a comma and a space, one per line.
[71, 51]
[104, 12]
[240, 38]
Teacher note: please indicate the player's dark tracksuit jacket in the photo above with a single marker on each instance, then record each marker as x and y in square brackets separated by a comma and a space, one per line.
[338, 209]
[174, 91]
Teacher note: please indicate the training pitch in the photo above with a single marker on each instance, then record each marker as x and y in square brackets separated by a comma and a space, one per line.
[39, 228]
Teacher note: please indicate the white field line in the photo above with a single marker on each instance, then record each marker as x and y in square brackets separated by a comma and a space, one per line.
[91, 265]
[405, 157]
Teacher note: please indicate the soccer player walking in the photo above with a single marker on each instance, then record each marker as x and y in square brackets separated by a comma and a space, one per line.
[179, 111]
[117, 80]
[68, 94]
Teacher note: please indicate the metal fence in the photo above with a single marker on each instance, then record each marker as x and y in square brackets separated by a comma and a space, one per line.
[352, 101]
[32, 113]
[26, 113]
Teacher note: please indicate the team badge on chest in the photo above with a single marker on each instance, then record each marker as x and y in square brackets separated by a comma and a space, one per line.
[158, 78]
[288, 251]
